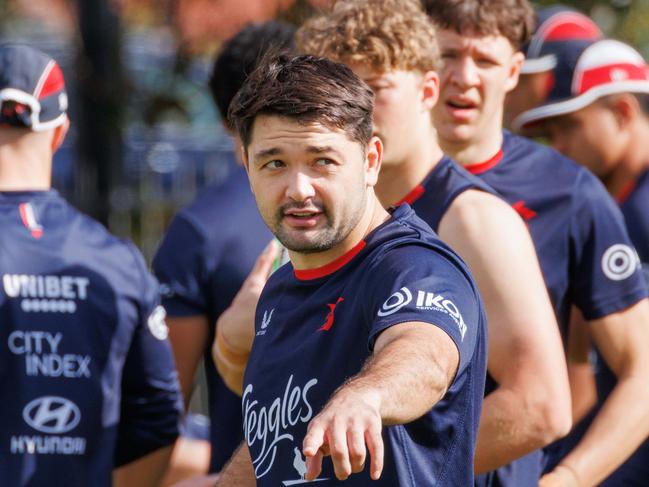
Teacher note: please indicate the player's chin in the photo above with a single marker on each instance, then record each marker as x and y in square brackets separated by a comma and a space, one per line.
[307, 241]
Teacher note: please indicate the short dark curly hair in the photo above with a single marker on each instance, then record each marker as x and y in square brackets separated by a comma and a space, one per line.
[513, 19]
[307, 89]
[240, 55]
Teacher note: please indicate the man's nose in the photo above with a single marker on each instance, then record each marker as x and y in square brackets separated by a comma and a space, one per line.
[464, 72]
[300, 186]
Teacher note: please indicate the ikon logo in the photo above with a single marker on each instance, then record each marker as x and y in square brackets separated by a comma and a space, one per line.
[51, 414]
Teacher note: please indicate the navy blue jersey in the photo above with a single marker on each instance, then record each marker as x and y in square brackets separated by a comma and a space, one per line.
[205, 256]
[436, 193]
[316, 328]
[86, 373]
[585, 254]
[583, 247]
[634, 202]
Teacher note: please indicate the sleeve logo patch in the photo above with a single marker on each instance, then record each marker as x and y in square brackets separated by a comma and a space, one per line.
[619, 262]
[426, 301]
[395, 302]
[157, 325]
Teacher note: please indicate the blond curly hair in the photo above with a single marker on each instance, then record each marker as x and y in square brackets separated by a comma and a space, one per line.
[383, 35]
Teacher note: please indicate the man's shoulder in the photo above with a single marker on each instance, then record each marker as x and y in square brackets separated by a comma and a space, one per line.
[521, 150]
[407, 240]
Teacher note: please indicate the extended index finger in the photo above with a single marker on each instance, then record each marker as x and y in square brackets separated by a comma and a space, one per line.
[375, 447]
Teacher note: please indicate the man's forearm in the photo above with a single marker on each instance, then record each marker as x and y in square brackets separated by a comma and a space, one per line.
[618, 429]
[502, 437]
[409, 372]
[239, 471]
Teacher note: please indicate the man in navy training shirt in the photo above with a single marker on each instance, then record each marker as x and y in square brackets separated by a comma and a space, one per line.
[374, 323]
[368, 37]
[603, 124]
[211, 246]
[578, 231]
[86, 371]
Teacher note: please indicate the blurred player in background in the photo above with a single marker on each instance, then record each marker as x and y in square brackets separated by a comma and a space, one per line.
[86, 372]
[404, 351]
[558, 29]
[579, 233]
[210, 248]
[391, 45]
[600, 118]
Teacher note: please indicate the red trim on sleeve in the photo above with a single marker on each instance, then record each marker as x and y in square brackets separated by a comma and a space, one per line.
[413, 196]
[481, 167]
[331, 267]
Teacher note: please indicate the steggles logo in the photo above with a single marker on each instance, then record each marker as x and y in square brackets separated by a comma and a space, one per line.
[265, 427]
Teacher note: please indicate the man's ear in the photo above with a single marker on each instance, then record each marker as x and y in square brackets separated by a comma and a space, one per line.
[59, 135]
[430, 89]
[373, 158]
[516, 63]
[626, 109]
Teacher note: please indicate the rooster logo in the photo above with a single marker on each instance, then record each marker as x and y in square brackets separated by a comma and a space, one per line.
[329, 320]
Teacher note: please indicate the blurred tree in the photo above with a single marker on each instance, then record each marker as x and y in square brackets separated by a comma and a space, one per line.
[102, 98]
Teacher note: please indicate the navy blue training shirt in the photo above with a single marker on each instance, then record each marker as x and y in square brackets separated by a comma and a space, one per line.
[584, 251]
[580, 237]
[634, 203]
[206, 254]
[316, 328]
[86, 372]
[435, 194]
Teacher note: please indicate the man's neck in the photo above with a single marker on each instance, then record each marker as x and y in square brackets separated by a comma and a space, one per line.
[475, 151]
[399, 178]
[25, 161]
[373, 216]
[634, 162]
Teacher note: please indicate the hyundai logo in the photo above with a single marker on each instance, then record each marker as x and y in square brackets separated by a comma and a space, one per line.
[51, 414]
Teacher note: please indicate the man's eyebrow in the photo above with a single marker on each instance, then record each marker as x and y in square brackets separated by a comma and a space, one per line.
[322, 149]
[273, 151]
[311, 149]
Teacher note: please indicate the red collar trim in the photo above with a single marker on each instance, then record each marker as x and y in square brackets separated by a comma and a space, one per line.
[413, 196]
[481, 167]
[331, 267]
[625, 192]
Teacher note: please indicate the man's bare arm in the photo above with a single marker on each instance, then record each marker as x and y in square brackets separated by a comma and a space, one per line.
[189, 336]
[239, 471]
[622, 424]
[531, 406]
[583, 389]
[411, 369]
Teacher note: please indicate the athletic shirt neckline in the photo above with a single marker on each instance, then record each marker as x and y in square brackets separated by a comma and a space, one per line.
[480, 167]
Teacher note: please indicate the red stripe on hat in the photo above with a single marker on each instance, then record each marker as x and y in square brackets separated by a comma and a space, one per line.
[577, 28]
[53, 83]
[591, 78]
